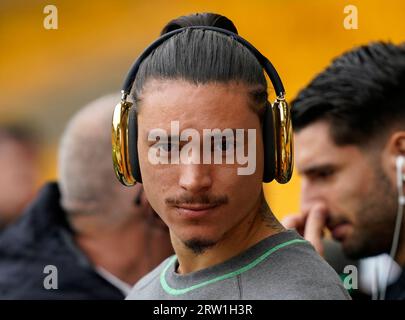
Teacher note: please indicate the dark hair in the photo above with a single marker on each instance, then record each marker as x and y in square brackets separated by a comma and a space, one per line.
[200, 19]
[360, 95]
[203, 56]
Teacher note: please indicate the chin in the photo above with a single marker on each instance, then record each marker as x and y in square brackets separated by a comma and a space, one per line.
[358, 249]
[352, 253]
[205, 237]
[198, 234]
[199, 245]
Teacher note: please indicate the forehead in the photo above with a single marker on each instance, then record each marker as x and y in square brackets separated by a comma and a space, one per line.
[211, 105]
[314, 146]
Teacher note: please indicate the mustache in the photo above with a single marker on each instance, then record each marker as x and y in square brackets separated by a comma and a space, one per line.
[197, 199]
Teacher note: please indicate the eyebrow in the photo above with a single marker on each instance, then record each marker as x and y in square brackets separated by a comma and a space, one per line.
[169, 139]
[316, 168]
[245, 131]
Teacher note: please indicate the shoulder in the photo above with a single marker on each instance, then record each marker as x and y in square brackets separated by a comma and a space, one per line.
[299, 272]
[149, 281]
[36, 224]
[315, 278]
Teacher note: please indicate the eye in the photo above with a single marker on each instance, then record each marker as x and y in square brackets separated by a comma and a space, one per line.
[225, 145]
[322, 175]
[166, 147]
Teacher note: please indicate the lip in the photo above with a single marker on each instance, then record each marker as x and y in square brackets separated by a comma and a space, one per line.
[339, 231]
[195, 211]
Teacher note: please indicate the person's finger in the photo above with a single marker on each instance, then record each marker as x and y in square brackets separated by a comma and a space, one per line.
[294, 221]
[314, 227]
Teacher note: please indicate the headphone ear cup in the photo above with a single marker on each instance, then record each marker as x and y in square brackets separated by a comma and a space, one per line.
[133, 144]
[119, 143]
[283, 141]
[269, 144]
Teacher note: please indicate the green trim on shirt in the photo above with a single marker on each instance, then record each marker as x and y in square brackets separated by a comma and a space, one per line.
[249, 266]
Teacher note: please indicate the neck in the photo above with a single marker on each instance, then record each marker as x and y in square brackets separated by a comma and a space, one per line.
[114, 246]
[255, 226]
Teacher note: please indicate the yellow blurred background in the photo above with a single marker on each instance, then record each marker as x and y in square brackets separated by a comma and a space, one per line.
[46, 75]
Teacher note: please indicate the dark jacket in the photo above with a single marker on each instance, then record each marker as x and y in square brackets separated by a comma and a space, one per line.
[42, 237]
[396, 291]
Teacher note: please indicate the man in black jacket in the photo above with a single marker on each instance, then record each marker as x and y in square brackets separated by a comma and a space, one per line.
[86, 237]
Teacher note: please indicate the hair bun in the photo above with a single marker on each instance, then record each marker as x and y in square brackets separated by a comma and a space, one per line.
[200, 19]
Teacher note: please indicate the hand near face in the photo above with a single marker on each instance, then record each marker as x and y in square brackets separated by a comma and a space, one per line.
[310, 225]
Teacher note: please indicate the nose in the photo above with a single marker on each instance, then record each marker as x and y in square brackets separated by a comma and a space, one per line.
[195, 178]
[310, 196]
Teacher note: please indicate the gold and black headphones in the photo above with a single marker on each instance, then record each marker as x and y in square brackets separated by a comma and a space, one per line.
[277, 127]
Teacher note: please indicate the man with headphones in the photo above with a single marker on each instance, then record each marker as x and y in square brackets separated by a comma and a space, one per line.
[201, 75]
[349, 127]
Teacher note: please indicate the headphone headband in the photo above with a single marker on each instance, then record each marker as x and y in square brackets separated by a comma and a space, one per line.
[277, 128]
[265, 63]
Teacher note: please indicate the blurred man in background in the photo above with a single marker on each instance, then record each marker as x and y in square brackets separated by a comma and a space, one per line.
[349, 127]
[19, 163]
[86, 237]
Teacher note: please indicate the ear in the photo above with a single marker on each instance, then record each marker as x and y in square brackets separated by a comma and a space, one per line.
[394, 147]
